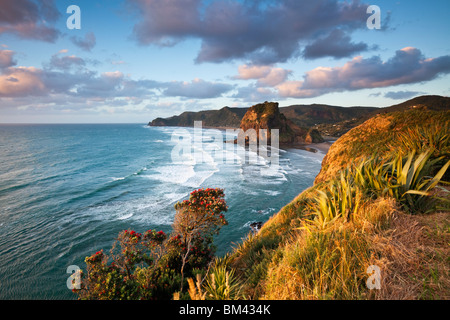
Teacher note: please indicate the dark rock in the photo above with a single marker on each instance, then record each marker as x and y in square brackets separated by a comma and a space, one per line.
[256, 226]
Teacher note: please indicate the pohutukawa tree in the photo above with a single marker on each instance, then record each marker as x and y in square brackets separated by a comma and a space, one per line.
[199, 217]
[152, 265]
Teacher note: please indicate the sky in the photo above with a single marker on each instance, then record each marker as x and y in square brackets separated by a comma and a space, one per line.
[131, 61]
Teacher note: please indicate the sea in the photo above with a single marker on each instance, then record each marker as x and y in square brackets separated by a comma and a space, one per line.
[67, 190]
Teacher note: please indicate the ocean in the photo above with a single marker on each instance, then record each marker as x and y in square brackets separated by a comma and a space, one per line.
[67, 190]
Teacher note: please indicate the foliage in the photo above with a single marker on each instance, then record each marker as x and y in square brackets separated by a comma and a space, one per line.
[338, 199]
[202, 213]
[152, 265]
[222, 284]
[405, 178]
[113, 276]
[320, 264]
[200, 216]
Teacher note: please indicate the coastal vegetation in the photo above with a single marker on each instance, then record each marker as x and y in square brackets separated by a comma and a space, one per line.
[155, 265]
[380, 202]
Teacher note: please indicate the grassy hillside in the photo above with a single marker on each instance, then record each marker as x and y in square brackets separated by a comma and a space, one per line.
[314, 114]
[386, 134]
[366, 212]
[340, 127]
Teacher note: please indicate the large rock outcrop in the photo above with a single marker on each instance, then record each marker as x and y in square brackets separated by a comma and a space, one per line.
[267, 116]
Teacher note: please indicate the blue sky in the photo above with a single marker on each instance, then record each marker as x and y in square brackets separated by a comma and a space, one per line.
[135, 60]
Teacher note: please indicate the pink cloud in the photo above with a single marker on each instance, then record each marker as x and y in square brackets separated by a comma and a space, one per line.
[29, 19]
[6, 58]
[22, 81]
[267, 76]
[408, 65]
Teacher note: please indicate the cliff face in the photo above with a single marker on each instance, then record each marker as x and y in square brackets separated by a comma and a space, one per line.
[267, 116]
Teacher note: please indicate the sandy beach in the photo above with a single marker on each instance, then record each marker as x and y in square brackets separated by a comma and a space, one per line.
[323, 146]
[315, 147]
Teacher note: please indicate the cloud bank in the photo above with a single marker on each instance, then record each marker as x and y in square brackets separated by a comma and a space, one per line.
[29, 19]
[263, 32]
[407, 66]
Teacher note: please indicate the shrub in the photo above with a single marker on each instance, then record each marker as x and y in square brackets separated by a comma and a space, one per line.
[407, 179]
[152, 265]
[338, 199]
[197, 220]
[113, 276]
[222, 284]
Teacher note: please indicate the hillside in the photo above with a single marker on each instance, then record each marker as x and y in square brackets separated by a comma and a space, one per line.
[311, 115]
[338, 128]
[382, 134]
[329, 120]
[369, 211]
[225, 117]
[303, 116]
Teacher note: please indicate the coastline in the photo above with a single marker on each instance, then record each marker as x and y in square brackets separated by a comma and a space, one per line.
[322, 147]
[317, 147]
[311, 147]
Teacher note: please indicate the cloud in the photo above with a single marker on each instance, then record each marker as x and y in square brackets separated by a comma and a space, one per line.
[254, 94]
[87, 43]
[29, 19]
[262, 32]
[266, 75]
[197, 89]
[407, 66]
[337, 45]
[165, 22]
[402, 95]
[67, 80]
[6, 59]
[65, 62]
[21, 81]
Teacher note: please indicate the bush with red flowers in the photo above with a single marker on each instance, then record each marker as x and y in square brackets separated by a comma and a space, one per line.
[153, 265]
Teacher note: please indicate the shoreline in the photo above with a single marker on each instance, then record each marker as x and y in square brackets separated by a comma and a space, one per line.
[322, 147]
[311, 147]
[316, 147]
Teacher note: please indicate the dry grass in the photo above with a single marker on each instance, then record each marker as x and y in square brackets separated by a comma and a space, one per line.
[331, 262]
[413, 255]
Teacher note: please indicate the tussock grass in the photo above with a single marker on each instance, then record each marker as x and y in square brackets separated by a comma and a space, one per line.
[330, 262]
